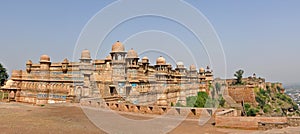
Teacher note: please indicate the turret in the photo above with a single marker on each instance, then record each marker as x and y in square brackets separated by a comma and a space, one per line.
[85, 56]
[64, 66]
[28, 66]
[45, 63]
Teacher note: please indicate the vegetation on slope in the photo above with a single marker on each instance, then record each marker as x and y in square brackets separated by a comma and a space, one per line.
[271, 102]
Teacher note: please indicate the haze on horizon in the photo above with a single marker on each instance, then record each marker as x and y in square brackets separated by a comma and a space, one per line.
[257, 36]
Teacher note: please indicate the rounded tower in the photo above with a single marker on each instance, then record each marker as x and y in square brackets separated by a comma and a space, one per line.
[85, 56]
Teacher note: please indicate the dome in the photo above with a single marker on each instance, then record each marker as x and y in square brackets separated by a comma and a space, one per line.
[108, 57]
[29, 62]
[44, 58]
[180, 64]
[118, 47]
[8, 84]
[192, 67]
[160, 61]
[85, 54]
[132, 54]
[65, 61]
[201, 70]
[145, 60]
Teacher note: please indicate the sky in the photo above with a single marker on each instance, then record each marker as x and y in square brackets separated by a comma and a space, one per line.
[257, 36]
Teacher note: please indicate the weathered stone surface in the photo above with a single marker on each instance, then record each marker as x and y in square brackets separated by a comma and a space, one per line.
[120, 74]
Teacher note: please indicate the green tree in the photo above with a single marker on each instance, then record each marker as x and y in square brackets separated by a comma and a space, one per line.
[190, 101]
[239, 75]
[201, 99]
[218, 87]
[3, 75]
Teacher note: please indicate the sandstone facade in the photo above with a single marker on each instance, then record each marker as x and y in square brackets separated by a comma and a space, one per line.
[121, 76]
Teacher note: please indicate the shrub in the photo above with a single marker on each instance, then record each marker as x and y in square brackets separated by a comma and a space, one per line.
[267, 108]
[179, 105]
[277, 110]
[252, 112]
[279, 103]
[278, 88]
[295, 106]
[221, 101]
[201, 99]
[190, 101]
[247, 106]
[262, 92]
[260, 100]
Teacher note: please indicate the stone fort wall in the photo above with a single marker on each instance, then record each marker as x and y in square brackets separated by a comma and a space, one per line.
[122, 73]
[188, 112]
[242, 93]
[229, 119]
[246, 122]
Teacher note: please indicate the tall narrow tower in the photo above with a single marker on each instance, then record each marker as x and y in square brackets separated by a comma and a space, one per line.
[86, 69]
[118, 66]
[132, 65]
[42, 92]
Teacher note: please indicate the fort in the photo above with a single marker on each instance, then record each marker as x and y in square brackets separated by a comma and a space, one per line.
[124, 82]
[121, 77]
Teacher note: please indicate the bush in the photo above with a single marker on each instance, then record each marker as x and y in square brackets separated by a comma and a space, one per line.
[252, 112]
[261, 97]
[284, 97]
[201, 99]
[267, 108]
[221, 101]
[261, 102]
[262, 92]
[179, 105]
[277, 110]
[190, 101]
[295, 106]
[278, 88]
[247, 106]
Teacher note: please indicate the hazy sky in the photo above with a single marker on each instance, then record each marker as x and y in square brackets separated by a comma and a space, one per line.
[261, 37]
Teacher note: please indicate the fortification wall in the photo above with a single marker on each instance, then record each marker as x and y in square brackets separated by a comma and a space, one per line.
[247, 122]
[242, 93]
[190, 113]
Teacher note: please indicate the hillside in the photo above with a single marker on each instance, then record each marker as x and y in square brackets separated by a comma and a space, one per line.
[271, 102]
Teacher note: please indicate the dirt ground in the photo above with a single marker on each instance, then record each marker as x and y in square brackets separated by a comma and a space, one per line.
[69, 118]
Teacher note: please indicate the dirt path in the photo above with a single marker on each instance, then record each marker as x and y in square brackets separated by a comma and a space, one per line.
[20, 118]
[69, 118]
